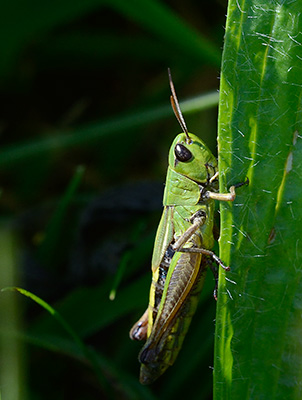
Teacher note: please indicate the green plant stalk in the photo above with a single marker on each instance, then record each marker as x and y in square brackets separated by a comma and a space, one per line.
[258, 344]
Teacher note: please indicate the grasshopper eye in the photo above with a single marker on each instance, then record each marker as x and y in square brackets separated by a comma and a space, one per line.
[182, 153]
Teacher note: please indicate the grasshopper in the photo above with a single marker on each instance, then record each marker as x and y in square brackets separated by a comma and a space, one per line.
[182, 249]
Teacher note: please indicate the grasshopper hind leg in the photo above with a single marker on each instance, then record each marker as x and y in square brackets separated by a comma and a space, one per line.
[206, 252]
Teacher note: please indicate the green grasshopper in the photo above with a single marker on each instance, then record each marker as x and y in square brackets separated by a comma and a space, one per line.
[181, 251]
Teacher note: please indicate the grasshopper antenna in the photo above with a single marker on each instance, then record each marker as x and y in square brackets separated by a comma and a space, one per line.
[176, 108]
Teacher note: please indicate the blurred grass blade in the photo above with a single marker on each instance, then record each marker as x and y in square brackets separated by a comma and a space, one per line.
[126, 259]
[48, 249]
[104, 369]
[89, 134]
[258, 344]
[84, 351]
[12, 366]
[160, 20]
[90, 317]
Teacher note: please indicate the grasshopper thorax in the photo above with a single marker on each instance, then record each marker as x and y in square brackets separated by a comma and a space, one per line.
[192, 159]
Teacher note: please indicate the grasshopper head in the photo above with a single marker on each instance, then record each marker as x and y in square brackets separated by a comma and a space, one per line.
[189, 155]
[192, 158]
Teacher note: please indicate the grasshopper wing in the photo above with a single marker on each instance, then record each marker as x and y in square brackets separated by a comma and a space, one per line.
[164, 236]
[178, 304]
[142, 328]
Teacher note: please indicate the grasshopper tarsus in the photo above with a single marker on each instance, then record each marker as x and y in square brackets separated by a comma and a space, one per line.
[219, 262]
[246, 182]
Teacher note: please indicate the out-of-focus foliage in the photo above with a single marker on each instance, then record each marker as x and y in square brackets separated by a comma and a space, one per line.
[85, 130]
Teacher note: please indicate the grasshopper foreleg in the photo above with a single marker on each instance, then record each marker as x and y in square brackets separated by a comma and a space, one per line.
[225, 196]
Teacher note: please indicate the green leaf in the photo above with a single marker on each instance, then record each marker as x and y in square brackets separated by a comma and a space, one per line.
[258, 332]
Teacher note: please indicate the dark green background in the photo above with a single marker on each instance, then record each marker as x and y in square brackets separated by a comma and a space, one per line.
[85, 132]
